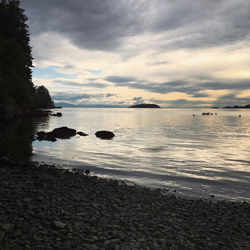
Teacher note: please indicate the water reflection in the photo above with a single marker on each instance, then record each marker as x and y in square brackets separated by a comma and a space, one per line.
[16, 137]
[164, 147]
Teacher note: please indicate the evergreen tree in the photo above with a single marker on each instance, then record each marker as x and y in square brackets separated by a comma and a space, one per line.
[15, 55]
[16, 88]
[42, 98]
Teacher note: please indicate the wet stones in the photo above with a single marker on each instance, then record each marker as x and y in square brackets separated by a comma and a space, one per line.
[103, 134]
[67, 133]
[58, 114]
[82, 134]
[57, 133]
[51, 208]
[63, 132]
[59, 224]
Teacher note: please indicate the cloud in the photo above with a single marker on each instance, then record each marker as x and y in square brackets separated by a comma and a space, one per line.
[193, 88]
[104, 25]
[231, 100]
[64, 96]
[90, 24]
[184, 103]
[120, 79]
[138, 100]
[147, 48]
[68, 83]
[82, 85]
[61, 96]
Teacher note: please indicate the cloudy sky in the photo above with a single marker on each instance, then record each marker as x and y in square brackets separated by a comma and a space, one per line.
[178, 53]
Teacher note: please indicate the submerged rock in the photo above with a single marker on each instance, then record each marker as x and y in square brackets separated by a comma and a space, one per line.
[81, 133]
[60, 133]
[58, 114]
[105, 134]
[63, 132]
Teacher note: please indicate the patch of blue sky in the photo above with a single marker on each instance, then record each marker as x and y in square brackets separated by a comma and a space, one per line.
[94, 71]
[50, 73]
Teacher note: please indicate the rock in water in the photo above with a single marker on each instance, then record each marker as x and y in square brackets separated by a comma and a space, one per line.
[41, 135]
[82, 134]
[63, 132]
[87, 171]
[105, 134]
[58, 114]
[60, 133]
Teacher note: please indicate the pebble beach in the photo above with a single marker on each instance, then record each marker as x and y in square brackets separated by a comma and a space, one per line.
[49, 208]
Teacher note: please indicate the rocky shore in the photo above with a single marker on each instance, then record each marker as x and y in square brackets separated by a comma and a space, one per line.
[48, 208]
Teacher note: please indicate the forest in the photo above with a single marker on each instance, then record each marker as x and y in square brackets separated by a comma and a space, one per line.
[18, 94]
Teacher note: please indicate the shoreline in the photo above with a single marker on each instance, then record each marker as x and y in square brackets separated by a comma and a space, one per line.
[49, 208]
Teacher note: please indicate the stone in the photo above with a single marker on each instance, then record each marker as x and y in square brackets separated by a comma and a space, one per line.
[103, 134]
[41, 135]
[59, 224]
[87, 171]
[58, 114]
[63, 132]
[60, 133]
[81, 133]
[7, 227]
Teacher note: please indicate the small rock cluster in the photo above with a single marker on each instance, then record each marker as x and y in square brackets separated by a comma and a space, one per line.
[57, 133]
[66, 133]
[58, 114]
[48, 208]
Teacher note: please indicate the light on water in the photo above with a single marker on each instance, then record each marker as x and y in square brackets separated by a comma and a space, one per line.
[195, 155]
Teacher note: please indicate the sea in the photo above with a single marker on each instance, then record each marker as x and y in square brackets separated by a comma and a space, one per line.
[180, 151]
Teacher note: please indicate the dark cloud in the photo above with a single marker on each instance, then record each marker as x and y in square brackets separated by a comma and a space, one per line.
[193, 88]
[181, 103]
[198, 24]
[231, 100]
[157, 63]
[199, 95]
[103, 25]
[120, 79]
[110, 95]
[77, 84]
[91, 24]
[138, 100]
[64, 96]
[61, 96]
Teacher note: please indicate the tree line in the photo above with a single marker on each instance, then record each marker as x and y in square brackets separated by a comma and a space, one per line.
[16, 87]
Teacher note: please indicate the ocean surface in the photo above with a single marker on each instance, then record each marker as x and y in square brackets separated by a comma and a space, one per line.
[172, 149]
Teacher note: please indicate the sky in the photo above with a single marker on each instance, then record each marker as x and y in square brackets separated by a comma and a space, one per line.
[178, 53]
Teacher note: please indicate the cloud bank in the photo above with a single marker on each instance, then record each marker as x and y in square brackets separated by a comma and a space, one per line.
[161, 50]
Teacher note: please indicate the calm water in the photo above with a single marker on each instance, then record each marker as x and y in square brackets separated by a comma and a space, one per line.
[192, 155]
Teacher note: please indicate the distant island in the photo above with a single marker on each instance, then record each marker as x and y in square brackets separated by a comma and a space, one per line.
[234, 107]
[238, 107]
[145, 105]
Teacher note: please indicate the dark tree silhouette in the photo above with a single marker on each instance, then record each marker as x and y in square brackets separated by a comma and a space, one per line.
[17, 91]
[15, 54]
[43, 99]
